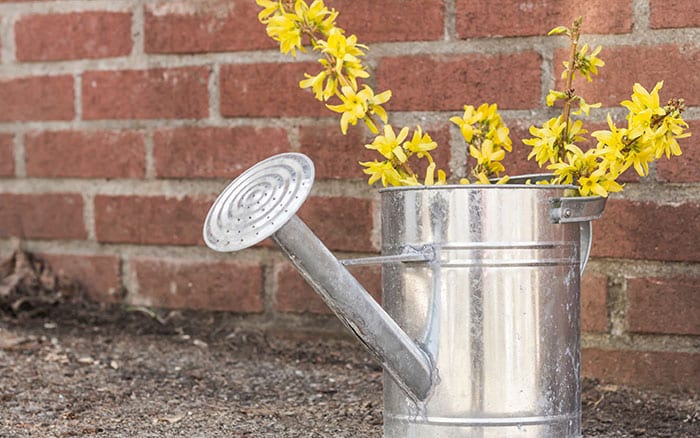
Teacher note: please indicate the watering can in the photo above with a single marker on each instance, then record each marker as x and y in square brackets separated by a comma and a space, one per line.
[479, 333]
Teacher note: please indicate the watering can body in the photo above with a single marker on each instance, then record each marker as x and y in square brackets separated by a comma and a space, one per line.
[479, 335]
[497, 310]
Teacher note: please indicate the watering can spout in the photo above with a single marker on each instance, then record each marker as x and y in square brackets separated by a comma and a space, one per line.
[262, 203]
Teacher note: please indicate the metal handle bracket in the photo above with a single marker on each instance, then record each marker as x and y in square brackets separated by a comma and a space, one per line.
[577, 209]
[424, 253]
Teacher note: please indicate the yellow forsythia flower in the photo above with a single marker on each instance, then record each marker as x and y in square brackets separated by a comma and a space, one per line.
[356, 106]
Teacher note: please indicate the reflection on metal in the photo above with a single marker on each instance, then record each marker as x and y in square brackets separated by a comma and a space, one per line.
[409, 254]
[277, 187]
[497, 310]
[480, 331]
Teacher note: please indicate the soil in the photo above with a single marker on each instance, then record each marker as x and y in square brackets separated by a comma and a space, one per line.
[83, 370]
[71, 368]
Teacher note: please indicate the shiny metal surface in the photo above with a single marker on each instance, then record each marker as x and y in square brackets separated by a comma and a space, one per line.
[497, 311]
[480, 335]
[258, 202]
[404, 362]
[262, 203]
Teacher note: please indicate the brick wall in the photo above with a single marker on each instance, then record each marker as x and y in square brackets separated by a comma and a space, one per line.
[120, 121]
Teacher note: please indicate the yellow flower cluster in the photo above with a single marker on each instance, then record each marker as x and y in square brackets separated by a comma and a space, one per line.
[488, 140]
[396, 152]
[652, 130]
[291, 21]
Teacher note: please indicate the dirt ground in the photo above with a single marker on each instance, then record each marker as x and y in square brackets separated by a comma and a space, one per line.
[84, 370]
[71, 368]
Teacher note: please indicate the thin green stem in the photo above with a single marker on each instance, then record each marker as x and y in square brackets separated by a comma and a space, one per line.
[566, 112]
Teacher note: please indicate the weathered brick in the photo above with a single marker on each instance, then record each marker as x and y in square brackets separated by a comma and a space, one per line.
[674, 64]
[77, 35]
[167, 93]
[268, 90]
[7, 159]
[391, 20]
[98, 274]
[663, 305]
[157, 220]
[449, 82]
[343, 224]
[214, 152]
[594, 310]
[648, 231]
[643, 368]
[226, 286]
[686, 168]
[294, 295]
[335, 155]
[85, 154]
[42, 216]
[37, 98]
[674, 13]
[482, 18]
[210, 26]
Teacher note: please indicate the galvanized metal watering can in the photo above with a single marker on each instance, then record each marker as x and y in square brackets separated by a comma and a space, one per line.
[479, 334]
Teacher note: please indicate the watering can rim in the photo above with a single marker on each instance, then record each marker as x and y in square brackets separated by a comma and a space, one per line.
[511, 184]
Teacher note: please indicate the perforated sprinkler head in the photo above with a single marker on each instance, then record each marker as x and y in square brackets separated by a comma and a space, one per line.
[259, 202]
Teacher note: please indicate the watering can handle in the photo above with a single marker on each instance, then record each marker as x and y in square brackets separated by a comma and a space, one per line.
[582, 210]
[586, 242]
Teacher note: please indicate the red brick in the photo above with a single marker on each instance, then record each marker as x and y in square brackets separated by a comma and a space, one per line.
[262, 90]
[78, 35]
[594, 309]
[663, 305]
[483, 18]
[648, 231]
[214, 152]
[226, 286]
[335, 155]
[85, 154]
[673, 64]
[643, 368]
[211, 26]
[448, 83]
[37, 98]
[294, 295]
[686, 168]
[674, 13]
[7, 160]
[156, 220]
[391, 20]
[343, 224]
[173, 93]
[45, 216]
[98, 274]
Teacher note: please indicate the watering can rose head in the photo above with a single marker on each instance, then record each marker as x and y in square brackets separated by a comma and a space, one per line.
[651, 130]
